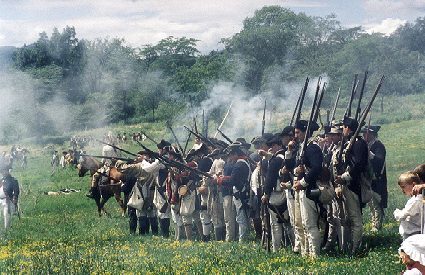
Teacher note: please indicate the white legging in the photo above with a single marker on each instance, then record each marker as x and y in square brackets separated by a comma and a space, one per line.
[6, 211]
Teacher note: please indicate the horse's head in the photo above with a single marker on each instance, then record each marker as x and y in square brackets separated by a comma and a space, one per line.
[82, 169]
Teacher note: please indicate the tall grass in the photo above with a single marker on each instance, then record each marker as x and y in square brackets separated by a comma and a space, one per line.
[63, 234]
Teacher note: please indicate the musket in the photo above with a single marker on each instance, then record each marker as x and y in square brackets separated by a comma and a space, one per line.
[263, 125]
[118, 148]
[106, 157]
[173, 163]
[202, 138]
[224, 136]
[186, 143]
[195, 126]
[335, 105]
[175, 137]
[300, 106]
[361, 96]
[353, 92]
[224, 119]
[148, 137]
[365, 113]
[265, 217]
[310, 122]
[296, 107]
[319, 103]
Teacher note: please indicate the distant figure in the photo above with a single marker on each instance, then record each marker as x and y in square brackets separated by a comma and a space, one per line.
[54, 161]
[9, 196]
[62, 161]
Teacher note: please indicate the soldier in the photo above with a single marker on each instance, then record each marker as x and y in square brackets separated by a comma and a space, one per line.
[257, 180]
[335, 211]
[215, 196]
[9, 195]
[274, 195]
[308, 171]
[54, 161]
[348, 181]
[238, 180]
[377, 155]
[229, 211]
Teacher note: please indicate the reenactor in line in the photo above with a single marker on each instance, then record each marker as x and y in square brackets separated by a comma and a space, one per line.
[347, 175]
[377, 154]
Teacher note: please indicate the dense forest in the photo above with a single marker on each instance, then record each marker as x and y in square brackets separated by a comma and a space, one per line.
[106, 81]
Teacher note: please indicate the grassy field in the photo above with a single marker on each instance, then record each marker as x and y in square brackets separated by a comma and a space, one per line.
[63, 234]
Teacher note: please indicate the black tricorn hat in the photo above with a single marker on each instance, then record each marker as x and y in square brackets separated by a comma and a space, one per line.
[350, 123]
[287, 131]
[371, 129]
[327, 129]
[235, 148]
[302, 125]
[276, 139]
[163, 144]
[243, 142]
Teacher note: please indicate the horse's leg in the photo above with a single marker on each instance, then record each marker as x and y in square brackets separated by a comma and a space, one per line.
[99, 206]
[103, 201]
[120, 201]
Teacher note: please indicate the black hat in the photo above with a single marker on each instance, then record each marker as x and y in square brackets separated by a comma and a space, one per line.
[276, 139]
[262, 139]
[327, 129]
[235, 148]
[287, 131]
[350, 123]
[163, 144]
[215, 153]
[243, 142]
[371, 129]
[302, 125]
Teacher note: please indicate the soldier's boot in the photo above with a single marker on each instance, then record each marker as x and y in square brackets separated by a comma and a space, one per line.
[220, 233]
[90, 194]
[133, 224]
[289, 234]
[164, 225]
[188, 230]
[154, 225]
[258, 228]
[143, 225]
[199, 229]
[206, 232]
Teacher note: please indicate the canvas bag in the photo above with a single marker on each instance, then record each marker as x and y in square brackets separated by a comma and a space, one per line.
[187, 205]
[278, 196]
[136, 199]
[159, 202]
[327, 192]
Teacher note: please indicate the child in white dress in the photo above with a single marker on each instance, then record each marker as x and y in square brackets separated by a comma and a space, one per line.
[410, 216]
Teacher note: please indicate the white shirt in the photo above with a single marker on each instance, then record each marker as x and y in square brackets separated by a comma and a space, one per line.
[410, 216]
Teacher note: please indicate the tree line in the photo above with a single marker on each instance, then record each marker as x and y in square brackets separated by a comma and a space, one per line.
[154, 82]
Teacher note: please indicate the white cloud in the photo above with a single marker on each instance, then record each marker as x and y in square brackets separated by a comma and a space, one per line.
[406, 9]
[386, 26]
[139, 22]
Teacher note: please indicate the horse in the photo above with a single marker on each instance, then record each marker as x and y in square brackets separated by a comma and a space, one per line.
[88, 164]
[115, 181]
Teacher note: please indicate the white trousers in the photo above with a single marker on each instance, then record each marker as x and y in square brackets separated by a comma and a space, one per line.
[310, 218]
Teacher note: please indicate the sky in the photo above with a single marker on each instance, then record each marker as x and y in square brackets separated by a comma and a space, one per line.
[142, 22]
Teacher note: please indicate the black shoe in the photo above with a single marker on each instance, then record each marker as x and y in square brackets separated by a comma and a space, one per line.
[90, 194]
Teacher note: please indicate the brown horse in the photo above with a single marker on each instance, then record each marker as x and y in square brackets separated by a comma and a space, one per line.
[110, 186]
[88, 164]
